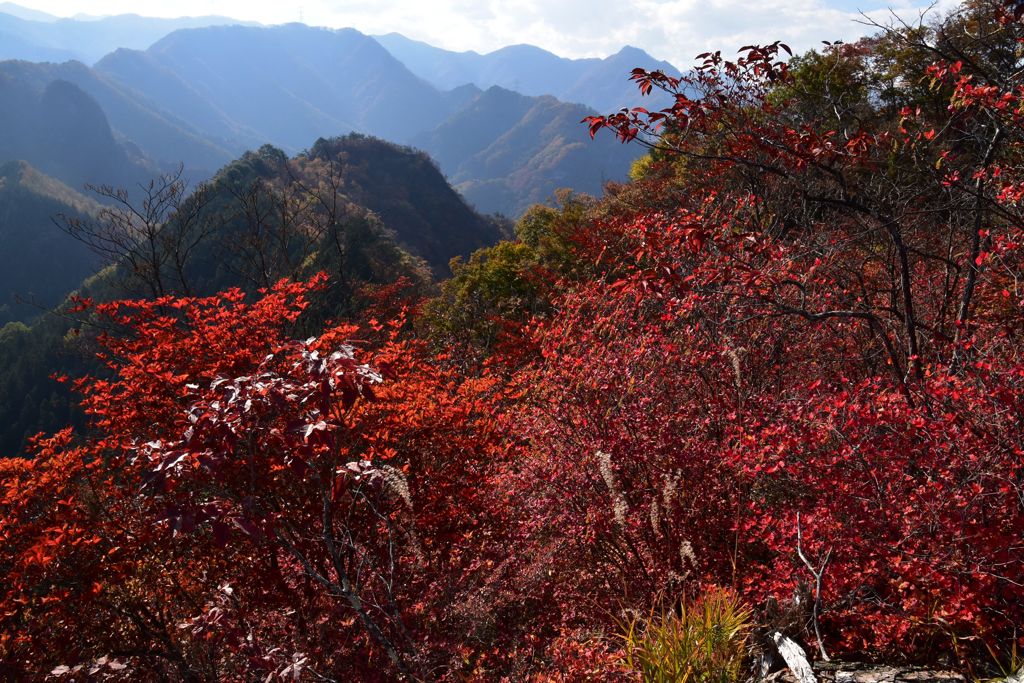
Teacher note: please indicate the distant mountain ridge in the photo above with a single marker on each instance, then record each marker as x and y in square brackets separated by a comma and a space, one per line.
[285, 85]
[37, 36]
[599, 83]
[134, 121]
[26, 13]
[202, 96]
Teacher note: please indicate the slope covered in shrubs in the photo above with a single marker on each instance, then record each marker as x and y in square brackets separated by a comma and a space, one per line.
[774, 384]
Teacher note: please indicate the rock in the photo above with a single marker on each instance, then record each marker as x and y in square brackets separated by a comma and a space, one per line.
[893, 675]
[837, 672]
[800, 670]
[795, 658]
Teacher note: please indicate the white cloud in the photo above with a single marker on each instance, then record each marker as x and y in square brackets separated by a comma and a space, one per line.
[675, 30]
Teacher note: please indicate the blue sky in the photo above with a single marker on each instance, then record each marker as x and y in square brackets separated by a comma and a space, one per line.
[675, 30]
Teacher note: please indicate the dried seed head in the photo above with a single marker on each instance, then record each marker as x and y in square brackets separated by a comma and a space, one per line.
[619, 506]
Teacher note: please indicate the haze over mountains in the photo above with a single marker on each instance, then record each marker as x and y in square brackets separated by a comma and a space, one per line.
[530, 70]
[504, 128]
[32, 35]
[286, 85]
[71, 123]
[37, 36]
[202, 96]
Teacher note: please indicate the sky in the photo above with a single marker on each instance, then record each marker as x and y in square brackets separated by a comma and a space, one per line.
[674, 30]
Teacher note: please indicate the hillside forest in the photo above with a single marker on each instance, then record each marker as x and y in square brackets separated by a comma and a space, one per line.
[315, 417]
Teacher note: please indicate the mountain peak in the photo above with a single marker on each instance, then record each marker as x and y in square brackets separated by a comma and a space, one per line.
[631, 51]
[523, 49]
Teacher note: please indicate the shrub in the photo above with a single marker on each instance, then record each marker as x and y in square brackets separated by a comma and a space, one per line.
[703, 640]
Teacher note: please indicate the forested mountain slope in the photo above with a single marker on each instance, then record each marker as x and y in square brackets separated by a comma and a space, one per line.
[39, 263]
[509, 151]
[366, 211]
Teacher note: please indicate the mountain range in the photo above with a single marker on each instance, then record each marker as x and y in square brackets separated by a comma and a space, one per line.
[273, 117]
[37, 36]
[284, 85]
[200, 97]
[598, 83]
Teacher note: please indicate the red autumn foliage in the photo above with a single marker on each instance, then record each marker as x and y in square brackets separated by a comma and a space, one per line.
[251, 504]
[684, 451]
[816, 352]
[791, 351]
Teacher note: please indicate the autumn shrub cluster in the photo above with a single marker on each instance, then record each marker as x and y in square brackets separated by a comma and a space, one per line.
[783, 366]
